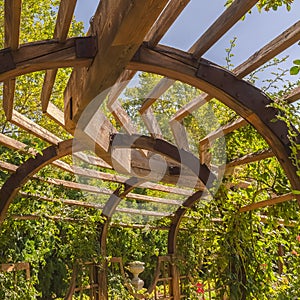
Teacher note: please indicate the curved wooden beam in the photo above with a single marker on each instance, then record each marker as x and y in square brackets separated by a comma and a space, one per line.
[168, 150]
[47, 54]
[248, 101]
[30, 167]
[178, 155]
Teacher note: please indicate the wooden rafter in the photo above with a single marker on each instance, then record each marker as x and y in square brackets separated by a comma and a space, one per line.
[293, 96]
[12, 17]
[124, 24]
[63, 22]
[269, 202]
[229, 18]
[249, 158]
[225, 21]
[159, 28]
[276, 46]
[206, 76]
[231, 15]
[42, 55]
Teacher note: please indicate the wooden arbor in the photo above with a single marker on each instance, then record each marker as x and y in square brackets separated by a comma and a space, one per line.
[117, 45]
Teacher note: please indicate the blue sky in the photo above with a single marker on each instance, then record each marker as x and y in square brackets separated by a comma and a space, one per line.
[254, 32]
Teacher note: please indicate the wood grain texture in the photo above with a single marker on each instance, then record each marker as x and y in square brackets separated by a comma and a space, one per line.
[293, 96]
[228, 18]
[233, 92]
[122, 26]
[28, 169]
[276, 46]
[63, 22]
[43, 55]
[12, 19]
[223, 130]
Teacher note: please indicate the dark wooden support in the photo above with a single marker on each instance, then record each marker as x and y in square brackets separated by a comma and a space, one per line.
[107, 213]
[180, 156]
[44, 55]
[233, 92]
[121, 27]
[29, 168]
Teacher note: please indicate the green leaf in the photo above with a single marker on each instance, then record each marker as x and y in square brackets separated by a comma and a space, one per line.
[296, 192]
[297, 62]
[294, 70]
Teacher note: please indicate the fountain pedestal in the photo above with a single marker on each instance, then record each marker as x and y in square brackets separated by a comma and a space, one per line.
[136, 267]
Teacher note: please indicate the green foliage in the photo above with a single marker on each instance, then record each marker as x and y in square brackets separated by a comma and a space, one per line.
[296, 68]
[269, 4]
[234, 253]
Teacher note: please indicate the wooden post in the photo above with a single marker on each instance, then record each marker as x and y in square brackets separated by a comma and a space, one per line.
[175, 288]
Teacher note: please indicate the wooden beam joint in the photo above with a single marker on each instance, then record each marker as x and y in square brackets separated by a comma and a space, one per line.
[86, 47]
[6, 60]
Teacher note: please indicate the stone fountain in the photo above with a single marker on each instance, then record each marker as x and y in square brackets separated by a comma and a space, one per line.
[136, 267]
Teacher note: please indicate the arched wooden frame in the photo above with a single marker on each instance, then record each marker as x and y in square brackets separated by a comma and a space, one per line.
[180, 156]
[30, 167]
[248, 101]
[245, 99]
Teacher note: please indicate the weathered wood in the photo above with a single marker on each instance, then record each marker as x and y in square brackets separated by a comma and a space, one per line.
[76, 185]
[137, 166]
[122, 117]
[166, 149]
[179, 134]
[16, 267]
[72, 285]
[155, 93]
[233, 92]
[276, 46]
[12, 18]
[293, 96]
[122, 27]
[31, 167]
[30, 126]
[223, 130]
[203, 44]
[249, 158]
[159, 28]
[178, 131]
[152, 124]
[90, 173]
[55, 114]
[8, 97]
[231, 15]
[44, 55]
[48, 84]
[165, 20]
[93, 189]
[269, 202]
[8, 166]
[191, 106]
[92, 205]
[63, 22]
[228, 18]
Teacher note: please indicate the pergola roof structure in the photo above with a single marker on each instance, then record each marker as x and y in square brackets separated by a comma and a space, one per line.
[123, 39]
